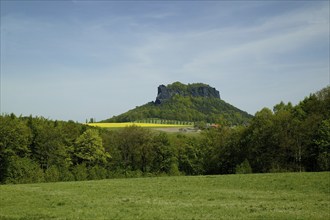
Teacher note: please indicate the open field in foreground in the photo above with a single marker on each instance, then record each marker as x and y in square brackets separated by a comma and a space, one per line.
[254, 196]
[146, 125]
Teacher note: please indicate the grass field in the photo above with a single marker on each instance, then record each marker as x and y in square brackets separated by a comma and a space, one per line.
[146, 125]
[253, 196]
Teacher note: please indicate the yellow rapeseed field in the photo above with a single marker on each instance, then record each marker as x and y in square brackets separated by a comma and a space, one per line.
[126, 124]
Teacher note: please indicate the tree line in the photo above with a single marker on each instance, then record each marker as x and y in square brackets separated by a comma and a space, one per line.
[286, 138]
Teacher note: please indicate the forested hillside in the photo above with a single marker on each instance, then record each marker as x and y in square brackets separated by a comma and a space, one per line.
[287, 138]
[193, 102]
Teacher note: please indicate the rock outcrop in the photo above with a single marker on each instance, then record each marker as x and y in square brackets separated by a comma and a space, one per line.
[194, 90]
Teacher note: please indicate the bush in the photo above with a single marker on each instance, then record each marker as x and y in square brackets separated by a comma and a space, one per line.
[324, 161]
[24, 170]
[97, 172]
[52, 174]
[65, 174]
[80, 172]
[244, 167]
[133, 174]
[277, 168]
[117, 173]
[174, 170]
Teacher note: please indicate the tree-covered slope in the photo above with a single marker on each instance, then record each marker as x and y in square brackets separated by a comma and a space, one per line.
[287, 138]
[192, 102]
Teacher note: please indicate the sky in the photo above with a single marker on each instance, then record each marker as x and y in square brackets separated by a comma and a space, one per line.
[75, 60]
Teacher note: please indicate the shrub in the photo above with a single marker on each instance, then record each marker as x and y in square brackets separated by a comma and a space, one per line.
[65, 174]
[97, 172]
[174, 170]
[244, 167]
[52, 174]
[80, 172]
[24, 170]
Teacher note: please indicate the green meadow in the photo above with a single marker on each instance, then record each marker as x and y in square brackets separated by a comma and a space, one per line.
[249, 196]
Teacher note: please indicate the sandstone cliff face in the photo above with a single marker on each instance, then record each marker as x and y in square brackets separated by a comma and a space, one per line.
[194, 90]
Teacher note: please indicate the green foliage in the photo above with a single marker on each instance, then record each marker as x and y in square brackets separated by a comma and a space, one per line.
[65, 174]
[293, 138]
[289, 138]
[135, 146]
[163, 158]
[89, 148]
[221, 149]
[189, 156]
[52, 174]
[80, 172]
[323, 143]
[38, 143]
[15, 136]
[97, 172]
[48, 143]
[23, 170]
[244, 168]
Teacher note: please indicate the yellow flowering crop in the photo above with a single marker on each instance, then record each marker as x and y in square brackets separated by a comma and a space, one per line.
[126, 124]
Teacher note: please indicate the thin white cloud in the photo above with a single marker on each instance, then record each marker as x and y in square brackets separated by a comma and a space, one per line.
[276, 35]
[104, 58]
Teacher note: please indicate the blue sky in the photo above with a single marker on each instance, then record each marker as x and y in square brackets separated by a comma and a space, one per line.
[81, 59]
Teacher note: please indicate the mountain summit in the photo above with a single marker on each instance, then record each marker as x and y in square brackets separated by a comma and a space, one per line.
[194, 90]
[193, 102]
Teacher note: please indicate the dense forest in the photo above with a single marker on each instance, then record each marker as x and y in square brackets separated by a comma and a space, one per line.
[286, 138]
[193, 102]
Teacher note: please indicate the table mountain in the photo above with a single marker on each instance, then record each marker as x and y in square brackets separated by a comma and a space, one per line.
[193, 102]
[193, 90]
